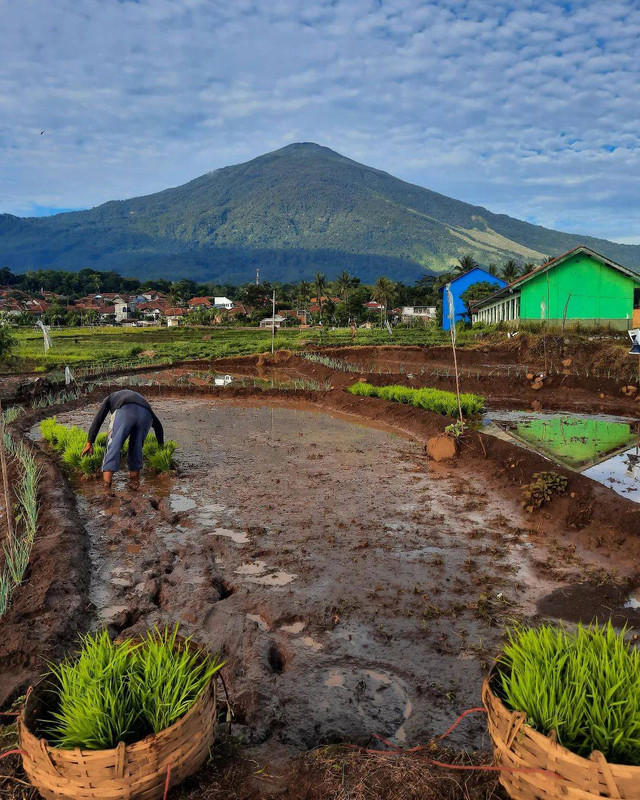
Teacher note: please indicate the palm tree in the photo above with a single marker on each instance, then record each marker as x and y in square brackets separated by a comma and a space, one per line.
[383, 291]
[344, 284]
[492, 269]
[320, 286]
[465, 264]
[303, 294]
[510, 270]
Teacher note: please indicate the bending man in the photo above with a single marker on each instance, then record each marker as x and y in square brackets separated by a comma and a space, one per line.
[131, 418]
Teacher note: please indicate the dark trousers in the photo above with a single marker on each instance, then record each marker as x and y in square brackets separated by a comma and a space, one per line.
[132, 422]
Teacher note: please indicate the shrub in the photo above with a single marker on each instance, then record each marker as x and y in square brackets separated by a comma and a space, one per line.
[69, 442]
[585, 685]
[437, 400]
[113, 692]
[544, 487]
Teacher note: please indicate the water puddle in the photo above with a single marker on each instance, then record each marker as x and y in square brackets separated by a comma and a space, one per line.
[239, 537]
[185, 377]
[260, 621]
[597, 445]
[179, 502]
[634, 600]
[335, 679]
[252, 568]
[279, 578]
[575, 441]
[294, 627]
[620, 473]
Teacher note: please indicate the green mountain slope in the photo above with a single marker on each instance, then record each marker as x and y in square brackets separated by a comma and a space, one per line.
[292, 212]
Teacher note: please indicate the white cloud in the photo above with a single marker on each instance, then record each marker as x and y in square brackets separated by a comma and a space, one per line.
[512, 105]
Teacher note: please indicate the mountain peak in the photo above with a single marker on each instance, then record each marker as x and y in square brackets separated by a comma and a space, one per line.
[296, 211]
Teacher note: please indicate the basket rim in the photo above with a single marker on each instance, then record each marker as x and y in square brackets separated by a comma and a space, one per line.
[134, 747]
[541, 738]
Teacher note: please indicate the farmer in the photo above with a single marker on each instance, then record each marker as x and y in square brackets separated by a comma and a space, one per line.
[131, 418]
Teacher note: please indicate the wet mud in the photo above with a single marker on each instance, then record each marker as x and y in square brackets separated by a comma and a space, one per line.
[354, 586]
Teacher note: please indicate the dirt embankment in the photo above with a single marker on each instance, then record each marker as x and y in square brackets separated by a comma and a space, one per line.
[50, 609]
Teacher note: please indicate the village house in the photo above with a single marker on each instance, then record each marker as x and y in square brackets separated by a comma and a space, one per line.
[412, 314]
[458, 287]
[579, 287]
[272, 322]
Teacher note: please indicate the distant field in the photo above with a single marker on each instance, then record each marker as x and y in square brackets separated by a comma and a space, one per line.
[110, 345]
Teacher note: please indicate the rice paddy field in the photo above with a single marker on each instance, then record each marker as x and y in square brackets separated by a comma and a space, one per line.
[81, 346]
[357, 587]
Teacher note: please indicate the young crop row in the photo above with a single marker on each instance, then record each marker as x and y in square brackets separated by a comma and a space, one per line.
[69, 441]
[437, 400]
[17, 548]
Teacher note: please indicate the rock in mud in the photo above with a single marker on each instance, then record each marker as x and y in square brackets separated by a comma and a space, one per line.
[442, 448]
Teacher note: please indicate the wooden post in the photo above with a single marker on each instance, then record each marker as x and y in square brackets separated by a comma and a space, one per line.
[273, 322]
[5, 478]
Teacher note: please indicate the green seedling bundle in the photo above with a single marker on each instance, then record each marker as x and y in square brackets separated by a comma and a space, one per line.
[69, 441]
[437, 400]
[584, 685]
[122, 691]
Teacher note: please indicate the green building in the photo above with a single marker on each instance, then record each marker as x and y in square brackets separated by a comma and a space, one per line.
[580, 287]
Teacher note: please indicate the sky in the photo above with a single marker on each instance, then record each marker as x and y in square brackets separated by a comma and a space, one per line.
[527, 108]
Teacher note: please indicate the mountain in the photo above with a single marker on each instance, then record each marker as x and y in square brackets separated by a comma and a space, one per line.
[293, 212]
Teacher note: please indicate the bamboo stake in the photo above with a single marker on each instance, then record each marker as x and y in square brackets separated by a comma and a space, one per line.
[5, 478]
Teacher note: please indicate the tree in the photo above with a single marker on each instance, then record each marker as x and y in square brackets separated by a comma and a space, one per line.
[320, 287]
[383, 292]
[303, 294]
[344, 284]
[510, 270]
[476, 292]
[465, 264]
[7, 341]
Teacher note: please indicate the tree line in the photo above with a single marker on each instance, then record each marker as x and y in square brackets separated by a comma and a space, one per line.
[351, 293]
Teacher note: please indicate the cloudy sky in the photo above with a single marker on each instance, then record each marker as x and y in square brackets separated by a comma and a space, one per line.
[528, 108]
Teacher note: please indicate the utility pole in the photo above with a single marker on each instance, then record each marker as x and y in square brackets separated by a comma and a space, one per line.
[273, 322]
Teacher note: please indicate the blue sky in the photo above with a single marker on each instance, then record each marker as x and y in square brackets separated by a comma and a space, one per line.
[527, 108]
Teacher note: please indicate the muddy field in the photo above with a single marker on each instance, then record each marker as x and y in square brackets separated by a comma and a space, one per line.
[354, 586]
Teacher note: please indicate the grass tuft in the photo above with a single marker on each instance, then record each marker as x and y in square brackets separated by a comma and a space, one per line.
[585, 685]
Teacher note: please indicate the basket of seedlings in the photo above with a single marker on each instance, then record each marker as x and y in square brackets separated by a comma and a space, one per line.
[563, 711]
[121, 719]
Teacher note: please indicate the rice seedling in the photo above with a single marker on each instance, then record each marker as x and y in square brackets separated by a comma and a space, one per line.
[96, 708]
[169, 677]
[585, 685]
[113, 692]
[17, 550]
[436, 400]
[69, 442]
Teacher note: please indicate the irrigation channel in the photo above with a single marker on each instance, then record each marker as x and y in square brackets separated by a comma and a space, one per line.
[354, 586]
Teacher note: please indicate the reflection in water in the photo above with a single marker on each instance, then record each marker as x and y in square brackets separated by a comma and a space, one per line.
[575, 441]
[581, 443]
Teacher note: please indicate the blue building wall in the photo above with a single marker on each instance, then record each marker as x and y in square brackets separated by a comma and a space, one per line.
[459, 286]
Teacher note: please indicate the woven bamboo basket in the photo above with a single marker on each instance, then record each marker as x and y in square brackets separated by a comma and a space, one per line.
[568, 776]
[137, 771]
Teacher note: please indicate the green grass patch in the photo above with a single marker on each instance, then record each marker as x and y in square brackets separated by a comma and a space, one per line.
[437, 400]
[121, 692]
[68, 442]
[585, 685]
